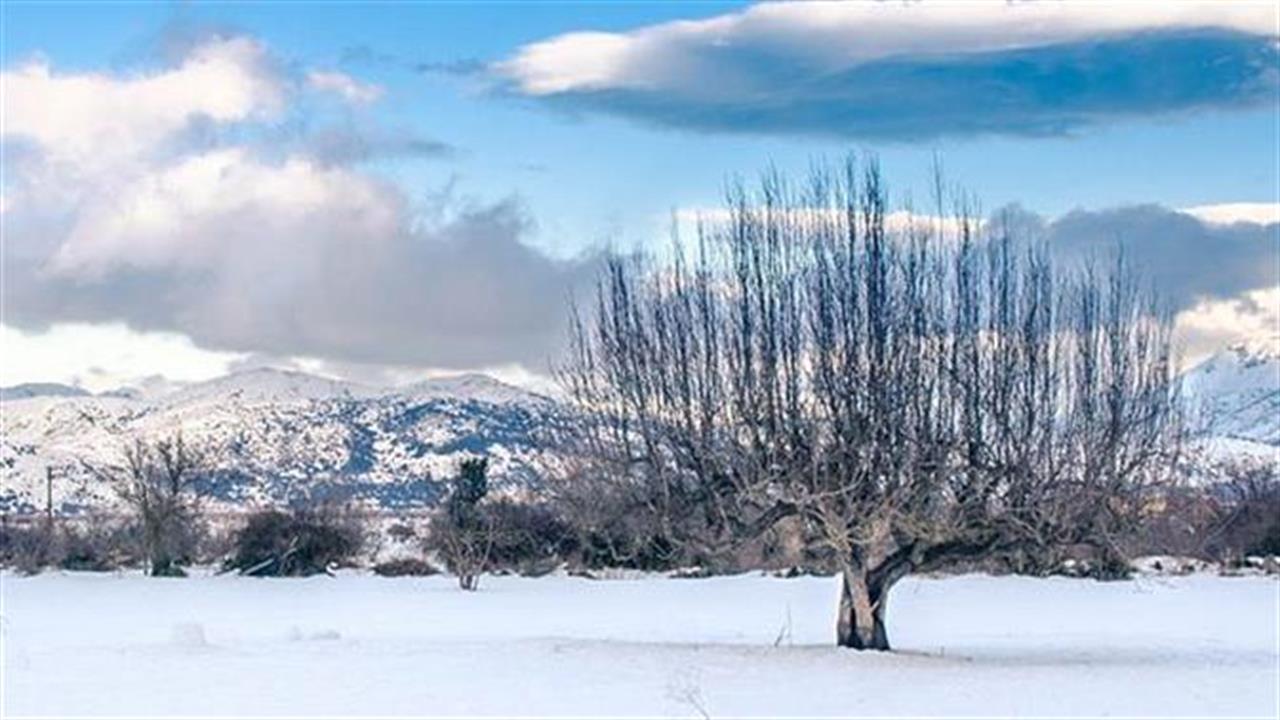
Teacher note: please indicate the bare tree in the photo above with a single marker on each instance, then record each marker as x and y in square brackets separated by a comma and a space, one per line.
[159, 484]
[918, 396]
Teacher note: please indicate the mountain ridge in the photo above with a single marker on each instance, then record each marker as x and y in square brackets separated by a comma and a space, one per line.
[280, 436]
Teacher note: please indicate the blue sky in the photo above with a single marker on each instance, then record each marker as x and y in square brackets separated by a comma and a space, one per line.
[593, 178]
[1134, 107]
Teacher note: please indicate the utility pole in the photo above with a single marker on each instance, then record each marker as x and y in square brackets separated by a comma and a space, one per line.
[47, 550]
[48, 499]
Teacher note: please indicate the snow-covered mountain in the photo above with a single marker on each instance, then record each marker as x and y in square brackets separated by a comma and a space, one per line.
[275, 436]
[30, 390]
[1233, 400]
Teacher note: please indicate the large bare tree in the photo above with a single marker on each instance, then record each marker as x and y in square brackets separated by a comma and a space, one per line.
[918, 393]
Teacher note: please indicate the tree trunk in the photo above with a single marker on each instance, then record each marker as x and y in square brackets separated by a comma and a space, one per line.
[860, 624]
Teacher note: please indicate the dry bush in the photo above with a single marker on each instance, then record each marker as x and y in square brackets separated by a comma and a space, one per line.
[614, 524]
[1234, 515]
[1250, 522]
[402, 567]
[401, 532]
[530, 538]
[300, 542]
[93, 543]
[25, 546]
[101, 544]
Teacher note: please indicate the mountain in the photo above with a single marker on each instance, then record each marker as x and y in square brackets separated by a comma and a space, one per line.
[1233, 400]
[31, 390]
[276, 436]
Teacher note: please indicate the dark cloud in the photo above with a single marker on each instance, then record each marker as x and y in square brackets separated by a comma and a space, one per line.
[367, 55]
[1048, 90]
[1184, 258]
[465, 67]
[349, 145]
[465, 292]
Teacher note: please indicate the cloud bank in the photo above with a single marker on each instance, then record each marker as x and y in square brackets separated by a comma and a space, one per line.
[1217, 267]
[164, 200]
[912, 70]
[1188, 259]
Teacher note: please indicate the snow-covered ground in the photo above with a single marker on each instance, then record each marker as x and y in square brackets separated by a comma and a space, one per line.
[125, 645]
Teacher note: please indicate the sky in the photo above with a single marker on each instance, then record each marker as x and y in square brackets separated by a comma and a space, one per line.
[383, 191]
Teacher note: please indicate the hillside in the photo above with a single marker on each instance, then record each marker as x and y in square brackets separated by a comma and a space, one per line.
[275, 436]
[1233, 401]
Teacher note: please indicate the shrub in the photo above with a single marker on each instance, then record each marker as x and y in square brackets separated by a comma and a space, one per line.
[528, 538]
[92, 543]
[99, 545]
[615, 525]
[401, 532]
[405, 567]
[25, 547]
[1251, 525]
[296, 543]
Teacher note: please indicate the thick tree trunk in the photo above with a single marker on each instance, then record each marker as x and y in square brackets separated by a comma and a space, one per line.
[861, 621]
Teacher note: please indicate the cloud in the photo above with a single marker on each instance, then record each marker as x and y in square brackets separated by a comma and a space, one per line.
[1231, 213]
[903, 71]
[351, 144]
[95, 120]
[345, 86]
[1211, 325]
[1189, 260]
[248, 245]
[119, 356]
[1217, 268]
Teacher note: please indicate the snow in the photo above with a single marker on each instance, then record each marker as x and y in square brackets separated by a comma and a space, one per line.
[277, 436]
[1235, 393]
[125, 645]
[31, 390]
[265, 385]
[472, 387]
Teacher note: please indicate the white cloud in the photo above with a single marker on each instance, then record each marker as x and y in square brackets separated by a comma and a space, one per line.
[103, 356]
[1231, 213]
[344, 85]
[91, 119]
[1212, 325]
[210, 208]
[130, 208]
[844, 34]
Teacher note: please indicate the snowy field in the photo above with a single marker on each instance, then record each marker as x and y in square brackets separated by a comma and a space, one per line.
[125, 645]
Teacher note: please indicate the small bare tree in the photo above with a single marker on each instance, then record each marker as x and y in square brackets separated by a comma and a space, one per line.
[916, 396]
[159, 483]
